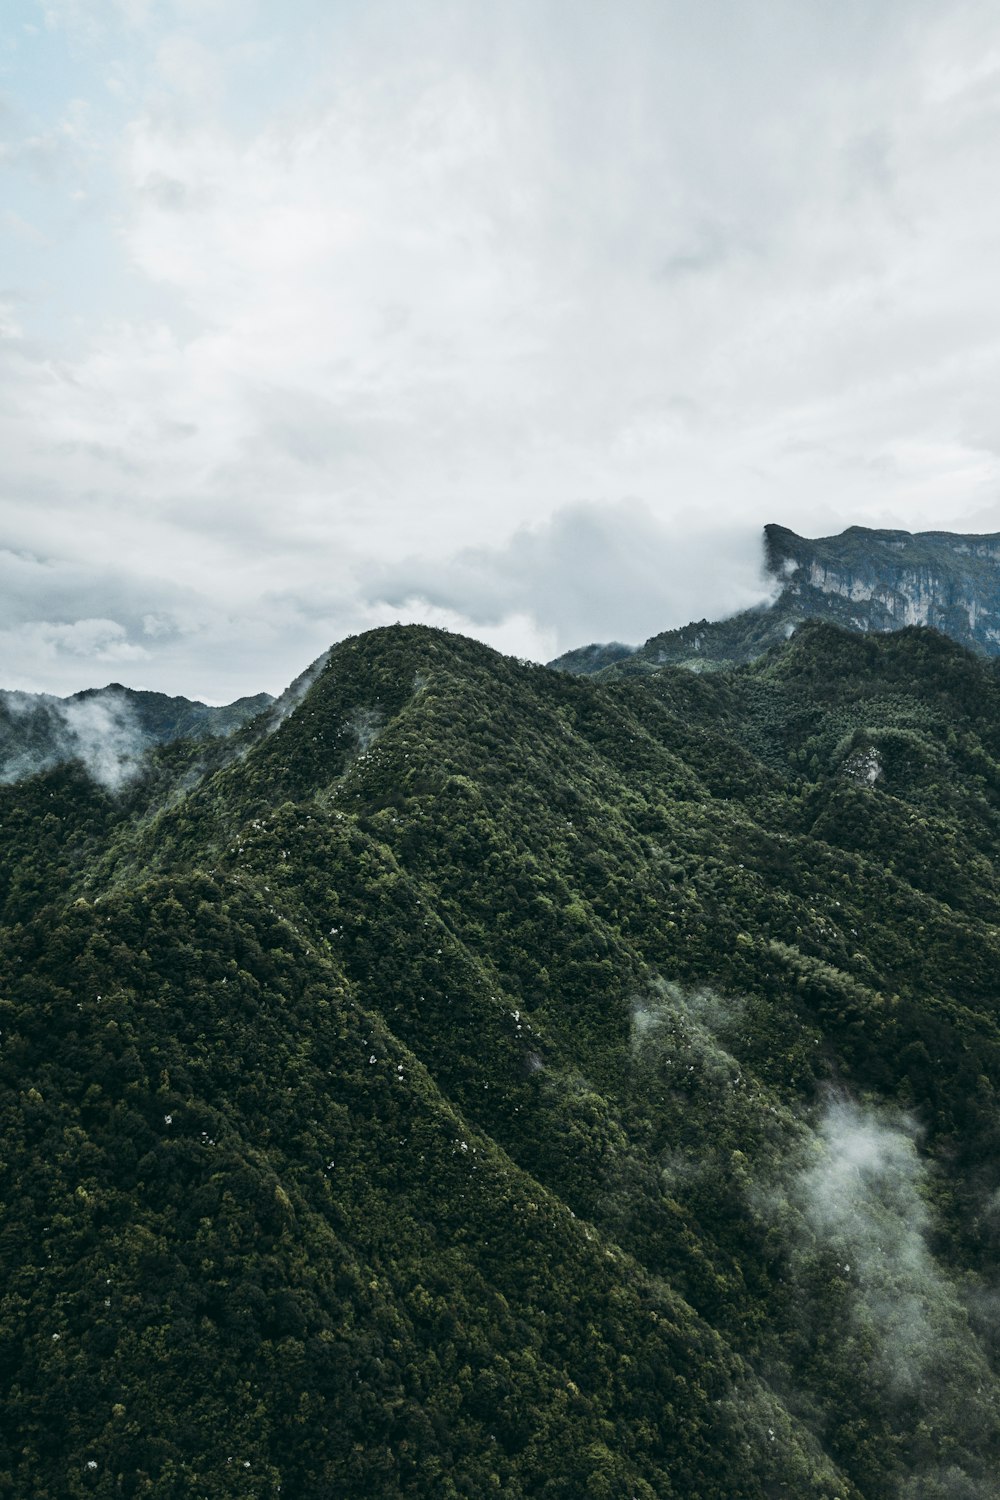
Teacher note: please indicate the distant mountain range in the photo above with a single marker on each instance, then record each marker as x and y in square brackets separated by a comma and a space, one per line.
[861, 580]
[113, 731]
[109, 729]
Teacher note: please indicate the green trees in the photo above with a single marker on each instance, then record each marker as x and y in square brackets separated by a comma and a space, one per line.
[426, 1098]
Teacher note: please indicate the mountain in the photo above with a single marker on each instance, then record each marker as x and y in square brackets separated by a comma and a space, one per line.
[586, 661]
[107, 729]
[479, 1079]
[861, 580]
[884, 580]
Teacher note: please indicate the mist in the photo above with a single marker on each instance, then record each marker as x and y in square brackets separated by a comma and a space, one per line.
[846, 1188]
[863, 1191]
[99, 730]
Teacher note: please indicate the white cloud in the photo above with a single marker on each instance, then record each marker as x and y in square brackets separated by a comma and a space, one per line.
[101, 640]
[104, 735]
[591, 572]
[864, 1196]
[100, 730]
[472, 269]
[36, 651]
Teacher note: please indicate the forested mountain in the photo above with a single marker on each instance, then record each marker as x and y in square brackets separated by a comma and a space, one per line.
[108, 729]
[475, 1079]
[861, 580]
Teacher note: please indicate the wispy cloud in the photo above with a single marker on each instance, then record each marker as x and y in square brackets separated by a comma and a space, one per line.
[863, 1193]
[100, 731]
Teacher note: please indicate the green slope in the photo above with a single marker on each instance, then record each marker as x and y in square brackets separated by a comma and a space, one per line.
[495, 1081]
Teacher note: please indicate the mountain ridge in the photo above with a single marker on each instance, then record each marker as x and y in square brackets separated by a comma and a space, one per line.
[445, 1089]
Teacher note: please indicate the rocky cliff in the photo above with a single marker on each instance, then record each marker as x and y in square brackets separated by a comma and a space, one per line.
[862, 579]
[884, 580]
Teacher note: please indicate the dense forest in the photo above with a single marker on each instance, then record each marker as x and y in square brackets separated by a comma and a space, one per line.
[478, 1079]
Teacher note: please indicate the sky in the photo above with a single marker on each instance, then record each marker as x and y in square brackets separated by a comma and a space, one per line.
[519, 318]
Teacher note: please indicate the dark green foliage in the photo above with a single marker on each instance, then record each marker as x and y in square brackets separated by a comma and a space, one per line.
[481, 1080]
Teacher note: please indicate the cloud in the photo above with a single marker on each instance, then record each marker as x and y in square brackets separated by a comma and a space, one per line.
[391, 295]
[99, 730]
[864, 1197]
[105, 736]
[97, 640]
[592, 572]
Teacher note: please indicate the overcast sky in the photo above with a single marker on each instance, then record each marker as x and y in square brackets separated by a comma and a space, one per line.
[516, 316]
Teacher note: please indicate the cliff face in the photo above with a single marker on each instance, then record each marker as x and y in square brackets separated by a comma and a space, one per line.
[861, 580]
[885, 580]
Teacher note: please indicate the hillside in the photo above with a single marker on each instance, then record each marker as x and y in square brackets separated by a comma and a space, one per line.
[863, 580]
[477, 1079]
